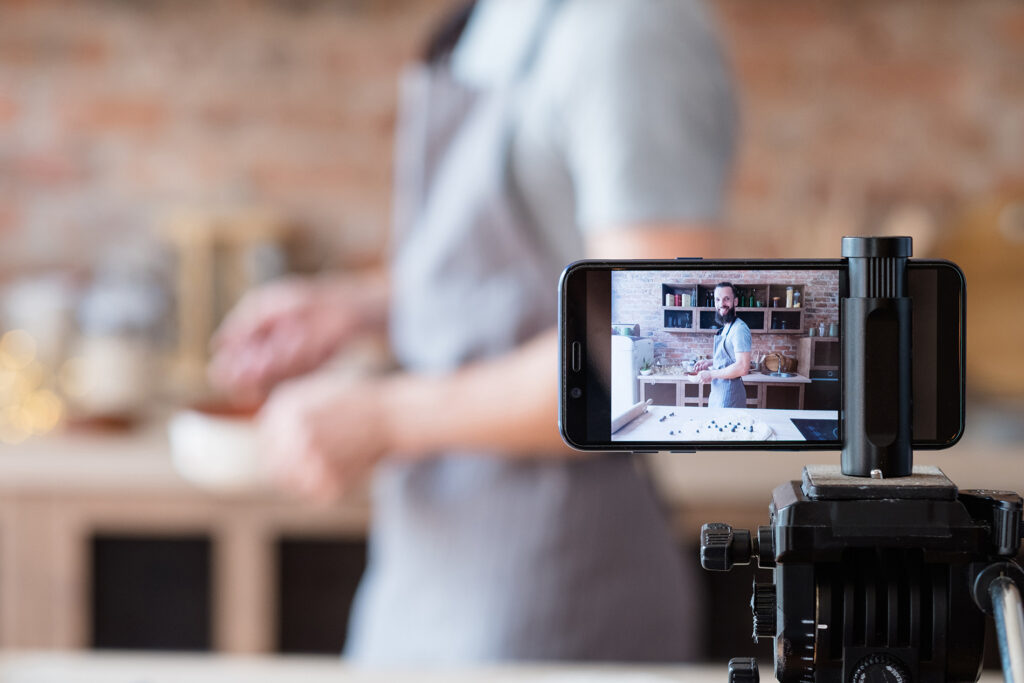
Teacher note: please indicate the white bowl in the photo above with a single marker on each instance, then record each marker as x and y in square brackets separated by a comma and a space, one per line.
[216, 451]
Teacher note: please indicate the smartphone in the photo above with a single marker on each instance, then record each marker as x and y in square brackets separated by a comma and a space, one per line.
[635, 336]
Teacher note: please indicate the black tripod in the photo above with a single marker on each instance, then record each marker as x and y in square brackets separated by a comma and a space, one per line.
[882, 571]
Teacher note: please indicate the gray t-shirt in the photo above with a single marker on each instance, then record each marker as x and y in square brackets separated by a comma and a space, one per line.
[736, 337]
[628, 113]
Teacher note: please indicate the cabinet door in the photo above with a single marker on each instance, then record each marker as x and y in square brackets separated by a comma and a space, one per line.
[784, 396]
[151, 593]
[661, 393]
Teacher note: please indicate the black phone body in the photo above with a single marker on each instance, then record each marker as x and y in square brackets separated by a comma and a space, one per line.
[627, 341]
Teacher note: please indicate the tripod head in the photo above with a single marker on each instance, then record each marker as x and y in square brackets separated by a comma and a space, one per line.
[882, 571]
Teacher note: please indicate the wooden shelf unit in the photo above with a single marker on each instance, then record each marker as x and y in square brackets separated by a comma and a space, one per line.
[763, 319]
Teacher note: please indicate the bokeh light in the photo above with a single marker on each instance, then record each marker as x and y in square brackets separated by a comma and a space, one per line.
[28, 406]
[17, 349]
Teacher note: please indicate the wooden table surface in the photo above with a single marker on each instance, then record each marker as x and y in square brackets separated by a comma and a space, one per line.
[77, 667]
[139, 462]
[749, 378]
[154, 668]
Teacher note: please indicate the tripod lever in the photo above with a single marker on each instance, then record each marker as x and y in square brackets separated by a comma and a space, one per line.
[1009, 616]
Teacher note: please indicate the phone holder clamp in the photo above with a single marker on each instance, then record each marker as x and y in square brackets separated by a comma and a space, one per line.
[882, 571]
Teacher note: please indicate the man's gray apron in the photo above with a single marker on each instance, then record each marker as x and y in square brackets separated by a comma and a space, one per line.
[725, 393]
[473, 556]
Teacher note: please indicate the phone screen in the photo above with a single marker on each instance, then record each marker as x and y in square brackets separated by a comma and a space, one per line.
[679, 356]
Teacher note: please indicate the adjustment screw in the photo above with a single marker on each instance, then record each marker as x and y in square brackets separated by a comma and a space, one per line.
[762, 605]
[765, 547]
[880, 668]
[743, 670]
[722, 547]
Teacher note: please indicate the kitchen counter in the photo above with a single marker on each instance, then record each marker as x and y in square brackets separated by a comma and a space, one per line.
[161, 668]
[761, 390]
[57, 491]
[763, 378]
[130, 465]
[749, 378]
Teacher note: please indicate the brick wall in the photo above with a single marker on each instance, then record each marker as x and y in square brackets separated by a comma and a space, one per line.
[113, 114]
[637, 299]
[856, 115]
[873, 116]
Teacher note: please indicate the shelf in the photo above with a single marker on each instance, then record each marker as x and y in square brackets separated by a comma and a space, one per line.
[738, 308]
[760, 319]
[678, 318]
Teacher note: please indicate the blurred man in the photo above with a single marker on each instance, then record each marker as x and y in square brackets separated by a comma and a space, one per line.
[535, 133]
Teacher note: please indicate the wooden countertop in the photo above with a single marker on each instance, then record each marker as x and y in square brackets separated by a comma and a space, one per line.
[161, 668]
[138, 459]
[735, 478]
[59, 667]
[750, 378]
[138, 463]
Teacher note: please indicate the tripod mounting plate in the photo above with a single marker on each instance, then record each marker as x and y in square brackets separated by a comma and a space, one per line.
[827, 482]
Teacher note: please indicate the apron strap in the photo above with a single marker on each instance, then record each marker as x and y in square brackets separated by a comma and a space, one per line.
[540, 32]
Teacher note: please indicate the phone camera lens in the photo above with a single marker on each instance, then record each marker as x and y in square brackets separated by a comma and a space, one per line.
[575, 392]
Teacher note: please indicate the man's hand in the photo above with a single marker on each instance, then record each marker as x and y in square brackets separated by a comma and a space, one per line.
[288, 328]
[702, 365]
[322, 435]
[704, 376]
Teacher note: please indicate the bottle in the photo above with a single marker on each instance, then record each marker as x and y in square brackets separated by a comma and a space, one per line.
[789, 297]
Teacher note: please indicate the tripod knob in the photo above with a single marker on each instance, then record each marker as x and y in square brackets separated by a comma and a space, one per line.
[879, 668]
[743, 670]
[762, 604]
[722, 547]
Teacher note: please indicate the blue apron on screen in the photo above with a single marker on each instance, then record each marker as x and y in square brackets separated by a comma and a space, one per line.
[472, 556]
[726, 393]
